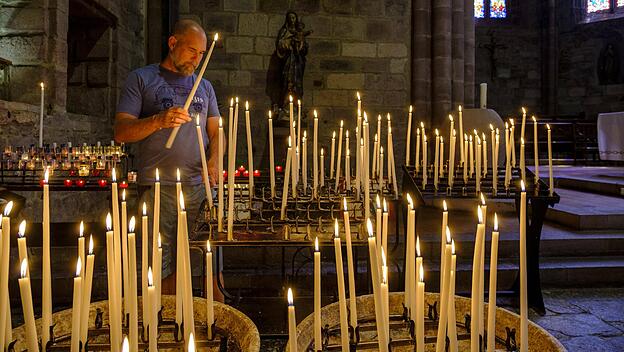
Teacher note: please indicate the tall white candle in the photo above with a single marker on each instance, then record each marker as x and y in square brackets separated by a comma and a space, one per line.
[495, 162]
[46, 301]
[381, 173]
[471, 160]
[331, 157]
[535, 150]
[374, 270]
[393, 168]
[551, 185]
[524, 114]
[524, 311]
[144, 268]
[384, 231]
[512, 144]
[151, 296]
[465, 169]
[452, 319]
[461, 133]
[478, 157]
[491, 326]
[418, 268]
[250, 162]
[385, 304]
[81, 244]
[409, 257]
[124, 252]
[189, 320]
[202, 154]
[298, 129]
[27, 307]
[156, 211]
[271, 156]
[409, 135]
[158, 275]
[75, 335]
[118, 274]
[41, 113]
[342, 304]
[417, 157]
[315, 156]
[209, 293]
[493, 147]
[451, 176]
[442, 240]
[304, 161]
[420, 312]
[131, 295]
[476, 277]
[113, 313]
[440, 165]
[507, 157]
[291, 116]
[444, 298]
[220, 173]
[318, 342]
[339, 156]
[86, 293]
[230, 173]
[292, 322]
[450, 139]
[322, 184]
[350, 269]
[286, 180]
[378, 223]
[522, 162]
[484, 160]
[425, 166]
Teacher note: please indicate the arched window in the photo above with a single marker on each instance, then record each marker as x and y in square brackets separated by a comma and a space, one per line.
[491, 8]
[599, 10]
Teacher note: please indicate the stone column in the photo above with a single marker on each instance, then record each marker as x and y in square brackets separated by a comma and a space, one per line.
[421, 61]
[441, 60]
[458, 54]
[469, 53]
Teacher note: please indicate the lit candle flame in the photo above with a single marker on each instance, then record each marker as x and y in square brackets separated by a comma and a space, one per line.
[388, 117]
[344, 203]
[24, 268]
[444, 205]
[385, 206]
[409, 201]
[495, 222]
[46, 174]
[347, 133]
[491, 127]
[511, 120]
[290, 98]
[322, 152]
[480, 214]
[178, 174]
[78, 267]
[157, 175]
[191, 345]
[315, 114]
[410, 108]
[365, 117]
[506, 125]
[336, 233]
[369, 227]
[114, 176]
[132, 224]
[448, 235]
[299, 102]
[451, 117]
[231, 102]
[208, 246]
[81, 229]
[381, 150]
[91, 245]
[523, 110]
[7, 208]
[236, 100]
[123, 195]
[21, 231]
[548, 126]
[460, 108]
[216, 37]
[159, 241]
[144, 209]
[378, 200]
[270, 115]
[109, 222]
[290, 297]
[418, 246]
[246, 105]
[422, 125]
[534, 119]
[522, 185]
[150, 276]
[453, 247]
[465, 137]
[125, 346]
[41, 85]
[436, 132]
[418, 132]
[316, 244]
[482, 199]
[181, 201]
[341, 123]
[333, 134]
[358, 95]
[197, 120]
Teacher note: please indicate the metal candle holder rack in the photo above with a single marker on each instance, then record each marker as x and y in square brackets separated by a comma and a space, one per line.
[100, 341]
[403, 326]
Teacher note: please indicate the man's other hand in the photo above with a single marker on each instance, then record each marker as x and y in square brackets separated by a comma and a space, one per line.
[172, 117]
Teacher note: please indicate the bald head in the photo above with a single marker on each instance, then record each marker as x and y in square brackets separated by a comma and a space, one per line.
[187, 45]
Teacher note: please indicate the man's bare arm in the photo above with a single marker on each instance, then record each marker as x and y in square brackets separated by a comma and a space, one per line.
[129, 128]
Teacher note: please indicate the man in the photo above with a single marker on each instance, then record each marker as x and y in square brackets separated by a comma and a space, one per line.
[150, 105]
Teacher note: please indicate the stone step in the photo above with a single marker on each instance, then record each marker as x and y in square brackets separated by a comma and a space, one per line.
[581, 210]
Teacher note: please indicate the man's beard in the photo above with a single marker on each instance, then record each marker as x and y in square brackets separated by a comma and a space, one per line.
[186, 69]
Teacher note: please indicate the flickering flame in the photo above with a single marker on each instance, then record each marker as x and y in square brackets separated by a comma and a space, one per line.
[358, 95]
[482, 199]
[436, 132]
[381, 150]
[144, 209]
[341, 123]
[523, 110]
[114, 176]
[344, 203]
[81, 233]
[410, 108]
[132, 224]
[465, 137]
[448, 235]
[451, 117]
[480, 214]
[534, 119]
[506, 125]
[7, 208]
[216, 37]
[231, 102]
[150, 276]
[91, 245]
[441, 140]
[375, 136]
[422, 125]
[178, 174]
[289, 142]
[409, 201]
[236, 100]
[125, 346]
[181, 201]
[78, 267]
[197, 119]
[333, 134]
[109, 222]
[385, 206]
[495, 222]
[365, 117]
[336, 233]
[497, 133]
[24, 268]
[299, 102]
[470, 138]
[157, 175]
[491, 127]
[21, 231]
[444, 205]
[522, 185]
[41, 85]
[270, 115]
[521, 140]
[511, 121]
[46, 174]
[246, 105]
[418, 246]
[483, 136]
[548, 126]
[159, 241]
[453, 247]
[191, 345]
[378, 201]
[347, 133]
[369, 227]
[315, 114]
[322, 152]
[208, 246]
[460, 108]
[290, 297]
[388, 117]
[418, 132]
[123, 195]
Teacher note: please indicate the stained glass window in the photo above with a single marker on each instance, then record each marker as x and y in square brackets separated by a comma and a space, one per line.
[498, 9]
[479, 8]
[620, 3]
[599, 5]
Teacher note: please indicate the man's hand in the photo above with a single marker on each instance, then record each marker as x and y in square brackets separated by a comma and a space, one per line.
[213, 173]
[172, 117]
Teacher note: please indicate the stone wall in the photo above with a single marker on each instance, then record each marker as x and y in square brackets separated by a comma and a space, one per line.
[361, 45]
[34, 36]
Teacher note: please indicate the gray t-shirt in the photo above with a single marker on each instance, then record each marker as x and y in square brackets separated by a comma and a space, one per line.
[152, 89]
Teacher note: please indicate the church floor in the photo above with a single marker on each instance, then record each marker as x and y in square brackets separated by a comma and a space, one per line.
[582, 319]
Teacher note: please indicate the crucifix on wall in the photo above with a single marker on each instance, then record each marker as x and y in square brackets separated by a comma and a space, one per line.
[491, 47]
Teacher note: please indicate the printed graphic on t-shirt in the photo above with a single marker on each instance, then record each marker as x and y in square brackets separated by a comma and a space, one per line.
[169, 96]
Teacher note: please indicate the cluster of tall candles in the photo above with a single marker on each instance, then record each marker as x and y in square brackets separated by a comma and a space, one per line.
[414, 296]
[473, 153]
[121, 267]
